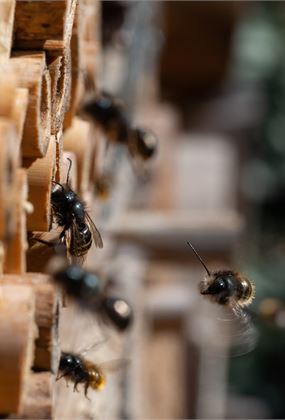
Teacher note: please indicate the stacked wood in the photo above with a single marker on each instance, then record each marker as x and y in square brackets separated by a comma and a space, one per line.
[40, 176]
[17, 332]
[15, 252]
[77, 140]
[7, 12]
[33, 75]
[47, 305]
[41, 81]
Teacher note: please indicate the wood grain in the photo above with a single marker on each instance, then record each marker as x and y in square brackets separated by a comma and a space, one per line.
[15, 252]
[33, 75]
[17, 332]
[40, 176]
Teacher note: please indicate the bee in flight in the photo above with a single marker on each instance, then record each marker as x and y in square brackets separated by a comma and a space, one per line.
[86, 289]
[233, 290]
[108, 113]
[77, 369]
[70, 213]
[226, 287]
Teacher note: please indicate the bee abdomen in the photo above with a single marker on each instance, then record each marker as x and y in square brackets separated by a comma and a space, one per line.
[246, 291]
[80, 245]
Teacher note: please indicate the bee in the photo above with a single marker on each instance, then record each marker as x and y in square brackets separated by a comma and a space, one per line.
[86, 289]
[226, 287]
[70, 213]
[142, 143]
[108, 113]
[234, 291]
[77, 369]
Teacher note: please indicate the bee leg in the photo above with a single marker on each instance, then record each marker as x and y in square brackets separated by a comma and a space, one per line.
[42, 241]
[58, 377]
[75, 386]
[85, 390]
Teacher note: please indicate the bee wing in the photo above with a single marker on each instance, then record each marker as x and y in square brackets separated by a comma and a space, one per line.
[73, 235]
[93, 346]
[95, 232]
[114, 365]
[245, 335]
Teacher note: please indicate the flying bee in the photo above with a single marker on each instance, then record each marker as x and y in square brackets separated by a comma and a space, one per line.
[232, 290]
[69, 212]
[226, 287]
[77, 369]
[109, 114]
[142, 144]
[86, 289]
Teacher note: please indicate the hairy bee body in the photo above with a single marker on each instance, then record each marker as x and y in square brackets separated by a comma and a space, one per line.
[228, 287]
[86, 288]
[80, 243]
[110, 115]
[78, 370]
[70, 213]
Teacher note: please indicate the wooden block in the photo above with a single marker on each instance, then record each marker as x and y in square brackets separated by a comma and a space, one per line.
[40, 174]
[33, 75]
[39, 21]
[60, 101]
[19, 110]
[13, 100]
[7, 13]
[8, 163]
[17, 332]
[76, 73]
[15, 252]
[38, 403]
[38, 254]
[77, 140]
[8, 84]
[48, 302]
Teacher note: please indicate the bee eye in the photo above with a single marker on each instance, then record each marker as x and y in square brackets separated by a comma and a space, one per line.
[104, 103]
[220, 284]
[66, 361]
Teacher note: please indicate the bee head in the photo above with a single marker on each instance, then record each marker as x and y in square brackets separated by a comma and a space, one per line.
[67, 362]
[146, 143]
[220, 285]
[119, 312]
[102, 108]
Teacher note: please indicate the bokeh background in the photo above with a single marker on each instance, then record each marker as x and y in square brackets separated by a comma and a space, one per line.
[209, 79]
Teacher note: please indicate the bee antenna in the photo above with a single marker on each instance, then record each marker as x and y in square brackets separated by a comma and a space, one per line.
[68, 172]
[199, 258]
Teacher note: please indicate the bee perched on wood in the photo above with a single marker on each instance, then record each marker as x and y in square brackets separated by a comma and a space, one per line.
[70, 213]
[77, 369]
[108, 113]
[86, 289]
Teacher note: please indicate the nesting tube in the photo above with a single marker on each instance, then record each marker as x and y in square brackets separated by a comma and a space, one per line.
[33, 75]
[17, 333]
[40, 176]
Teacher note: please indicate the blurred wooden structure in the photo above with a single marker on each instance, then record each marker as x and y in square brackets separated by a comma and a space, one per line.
[44, 52]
